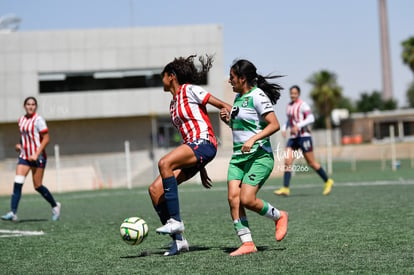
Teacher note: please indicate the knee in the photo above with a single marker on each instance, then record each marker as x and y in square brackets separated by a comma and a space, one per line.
[233, 200]
[247, 201]
[153, 190]
[163, 164]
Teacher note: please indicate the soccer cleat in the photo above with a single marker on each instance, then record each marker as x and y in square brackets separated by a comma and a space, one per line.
[284, 191]
[281, 225]
[178, 247]
[245, 248]
[10, 216]
[56, 211]
[171, 227]
[328, 187]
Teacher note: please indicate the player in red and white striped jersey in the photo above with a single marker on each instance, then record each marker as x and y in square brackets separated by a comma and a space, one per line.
[189, 115]
[34, 137]
[299, 118]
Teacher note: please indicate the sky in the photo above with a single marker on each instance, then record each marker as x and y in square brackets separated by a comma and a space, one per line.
[294, 38]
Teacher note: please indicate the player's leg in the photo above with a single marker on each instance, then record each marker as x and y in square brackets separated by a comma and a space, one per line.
[156, 192]
[180, 157]
[238, 214]
[37, 174]
[21, 172]
[259, 171]
[241, 225]
[307, 149]
[285, 191]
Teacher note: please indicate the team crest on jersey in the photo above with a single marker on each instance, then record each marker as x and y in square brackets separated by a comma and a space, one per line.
[245, 102]
[177, 121]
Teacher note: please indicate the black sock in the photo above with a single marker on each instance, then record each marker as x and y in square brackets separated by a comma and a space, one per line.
[47, 195]
[322, 174]
[17, 193]
[286, 178]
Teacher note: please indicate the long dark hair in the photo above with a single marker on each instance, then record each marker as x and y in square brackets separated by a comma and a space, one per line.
[186, 71]
[246, 68]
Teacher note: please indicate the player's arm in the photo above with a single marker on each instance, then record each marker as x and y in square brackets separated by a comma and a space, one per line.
[271, 128]
[284, 127]
[44, 137]
[307, 121]
[219, 104]
[225, 109]
[18, 146]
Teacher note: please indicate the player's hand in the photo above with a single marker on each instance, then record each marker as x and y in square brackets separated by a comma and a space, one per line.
[247, 146]
[18, 147]
[224, 115]
[205, 180]
[284, 134]
[294, 130]
[33, 157]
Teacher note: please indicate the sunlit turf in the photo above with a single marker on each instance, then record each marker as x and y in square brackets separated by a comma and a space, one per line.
[362, 227]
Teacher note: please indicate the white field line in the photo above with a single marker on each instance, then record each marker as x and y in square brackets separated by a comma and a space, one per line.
[5, 233]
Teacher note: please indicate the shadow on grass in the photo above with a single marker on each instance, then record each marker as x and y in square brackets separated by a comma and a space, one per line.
[151, 253]
[32, 220]
[259, 248]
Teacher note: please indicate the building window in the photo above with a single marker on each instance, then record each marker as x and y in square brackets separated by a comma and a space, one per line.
[99, 80]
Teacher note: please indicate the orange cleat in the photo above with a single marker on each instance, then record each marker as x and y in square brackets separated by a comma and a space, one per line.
[281, 225]
[245, 248]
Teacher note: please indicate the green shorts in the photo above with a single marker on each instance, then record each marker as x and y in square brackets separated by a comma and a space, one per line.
[254, 170]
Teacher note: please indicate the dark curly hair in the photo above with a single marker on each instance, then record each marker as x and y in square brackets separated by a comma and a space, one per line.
[246, 68]
[186, 71]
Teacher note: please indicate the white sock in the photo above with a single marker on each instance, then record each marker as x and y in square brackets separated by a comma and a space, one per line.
[269, 211]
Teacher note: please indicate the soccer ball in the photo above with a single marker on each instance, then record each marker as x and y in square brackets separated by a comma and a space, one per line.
[134, 230]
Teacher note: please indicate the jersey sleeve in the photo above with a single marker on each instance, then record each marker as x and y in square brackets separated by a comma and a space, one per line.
[262, 103]
[40, 125]
[198, 94]
[305, 109]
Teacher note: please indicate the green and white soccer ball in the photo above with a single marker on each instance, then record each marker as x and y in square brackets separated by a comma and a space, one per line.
[134, 230]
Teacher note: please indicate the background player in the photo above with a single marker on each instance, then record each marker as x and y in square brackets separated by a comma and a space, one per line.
[299, 117]
[252, 121]
[34, 137]
[189, 115]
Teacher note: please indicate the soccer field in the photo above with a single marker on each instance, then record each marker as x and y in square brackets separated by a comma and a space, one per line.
[365, 226]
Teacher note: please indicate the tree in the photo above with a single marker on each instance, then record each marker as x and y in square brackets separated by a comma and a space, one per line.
[325, 94]
[408, 52]
[346, 103]
[410, 95]
[370, 102]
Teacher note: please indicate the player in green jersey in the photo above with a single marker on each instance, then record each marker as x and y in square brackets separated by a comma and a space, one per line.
[252, 121]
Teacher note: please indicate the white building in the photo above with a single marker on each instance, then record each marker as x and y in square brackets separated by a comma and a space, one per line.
[97, 88]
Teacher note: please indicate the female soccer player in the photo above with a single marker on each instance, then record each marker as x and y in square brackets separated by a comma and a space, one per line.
[34, 137]
[299, 117]
[189, 115]
[252, 120]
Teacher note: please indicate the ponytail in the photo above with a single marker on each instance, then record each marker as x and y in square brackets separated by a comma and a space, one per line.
[272, 90]
[245, 68]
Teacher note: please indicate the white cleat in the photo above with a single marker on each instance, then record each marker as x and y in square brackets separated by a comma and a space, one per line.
[10, 216]
[178, 247]
[56, 211]
[171, 227]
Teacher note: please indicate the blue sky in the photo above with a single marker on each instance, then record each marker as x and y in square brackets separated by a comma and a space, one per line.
[295, 38]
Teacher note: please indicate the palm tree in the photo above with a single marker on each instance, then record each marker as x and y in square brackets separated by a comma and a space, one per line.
[326, 94]
[408, 52]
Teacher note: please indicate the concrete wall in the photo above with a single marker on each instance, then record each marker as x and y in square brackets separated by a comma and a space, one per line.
[97, 121]
[24, 55]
